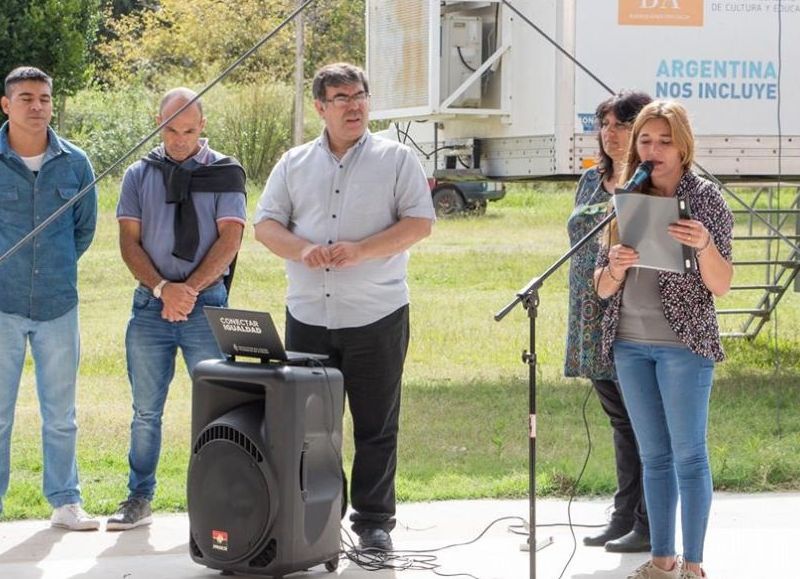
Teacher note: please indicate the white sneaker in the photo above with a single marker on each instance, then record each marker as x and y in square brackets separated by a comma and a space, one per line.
[73, 518]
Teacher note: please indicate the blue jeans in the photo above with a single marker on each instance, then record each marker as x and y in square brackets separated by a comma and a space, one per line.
[151, 345]
[55, 345]
[666, 390]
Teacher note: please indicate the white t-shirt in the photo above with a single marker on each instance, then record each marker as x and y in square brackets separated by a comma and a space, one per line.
[34, 163]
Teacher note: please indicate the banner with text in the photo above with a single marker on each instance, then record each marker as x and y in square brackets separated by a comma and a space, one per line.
[719, 58]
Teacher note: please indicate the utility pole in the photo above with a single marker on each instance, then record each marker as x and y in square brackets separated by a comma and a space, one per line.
[299, 84]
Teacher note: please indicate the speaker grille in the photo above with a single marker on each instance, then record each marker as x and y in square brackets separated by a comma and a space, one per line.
[266, 556]
[230, 434]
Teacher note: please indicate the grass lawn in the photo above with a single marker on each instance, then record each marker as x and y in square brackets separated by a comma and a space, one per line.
[464, 422]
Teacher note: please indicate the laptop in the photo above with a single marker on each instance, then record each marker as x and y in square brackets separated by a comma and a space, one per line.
[243, 333]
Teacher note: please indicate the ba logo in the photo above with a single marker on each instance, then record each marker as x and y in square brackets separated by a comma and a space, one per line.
[661, 12]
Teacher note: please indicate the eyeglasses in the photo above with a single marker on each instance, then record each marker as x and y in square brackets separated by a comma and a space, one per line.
[340, 101]
[618, 126]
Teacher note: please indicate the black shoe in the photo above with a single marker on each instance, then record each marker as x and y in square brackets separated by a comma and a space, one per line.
[609, 533]
[633, 542]
[375, 539]
[133, 512]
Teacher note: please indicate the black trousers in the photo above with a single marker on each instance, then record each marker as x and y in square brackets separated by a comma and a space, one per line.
[629, 503]
[371, 360]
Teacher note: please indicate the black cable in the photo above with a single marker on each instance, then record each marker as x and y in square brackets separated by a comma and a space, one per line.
[485, 77]
[407, 136]
[464, 62]
[400, 560]
[399, 133]
[578, 480]
[404, 134]
[57, 213]
[406, 560]
[486, 72]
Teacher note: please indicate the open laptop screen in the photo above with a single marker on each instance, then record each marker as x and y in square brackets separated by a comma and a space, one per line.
[250, 334]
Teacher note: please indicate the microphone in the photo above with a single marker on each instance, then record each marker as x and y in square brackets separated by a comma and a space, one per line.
[640, 176]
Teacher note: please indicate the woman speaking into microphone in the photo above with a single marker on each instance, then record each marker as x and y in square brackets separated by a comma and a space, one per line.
[661, 329]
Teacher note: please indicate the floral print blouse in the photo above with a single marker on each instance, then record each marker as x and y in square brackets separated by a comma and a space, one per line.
[584, 330]
[688, 304]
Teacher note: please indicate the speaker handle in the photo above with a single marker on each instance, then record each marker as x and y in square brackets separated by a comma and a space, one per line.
[303, 472]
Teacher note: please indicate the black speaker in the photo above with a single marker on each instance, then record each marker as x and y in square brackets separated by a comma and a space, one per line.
[265, 474]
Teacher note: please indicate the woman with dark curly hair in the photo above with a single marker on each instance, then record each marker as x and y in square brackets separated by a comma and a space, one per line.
[627, 530]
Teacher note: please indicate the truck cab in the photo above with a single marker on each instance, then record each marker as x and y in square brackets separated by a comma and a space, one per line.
[451, 198]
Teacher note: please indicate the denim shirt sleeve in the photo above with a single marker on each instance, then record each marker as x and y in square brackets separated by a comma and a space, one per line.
[85, 212]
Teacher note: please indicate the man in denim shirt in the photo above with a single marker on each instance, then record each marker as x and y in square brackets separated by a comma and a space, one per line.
[40, 172]
[181, 215]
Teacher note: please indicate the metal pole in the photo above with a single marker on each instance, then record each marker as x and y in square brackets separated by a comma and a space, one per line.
[529, 297]
[299, 78]
[531, 303]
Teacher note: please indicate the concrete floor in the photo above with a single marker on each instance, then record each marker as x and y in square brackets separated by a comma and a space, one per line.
[750, 537]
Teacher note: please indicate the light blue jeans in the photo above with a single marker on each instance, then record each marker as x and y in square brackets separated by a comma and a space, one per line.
[55, 345]
[666, 390]
[151, 345]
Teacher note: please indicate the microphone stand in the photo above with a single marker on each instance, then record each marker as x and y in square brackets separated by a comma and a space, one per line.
[529, 297]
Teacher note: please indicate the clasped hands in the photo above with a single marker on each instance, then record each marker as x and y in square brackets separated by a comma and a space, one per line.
[339, 254]
[179, 300]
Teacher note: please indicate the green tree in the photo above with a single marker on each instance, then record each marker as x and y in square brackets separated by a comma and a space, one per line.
[54, 35]
[335, 32]
[193, 41]
[112, 10]
[120, 7]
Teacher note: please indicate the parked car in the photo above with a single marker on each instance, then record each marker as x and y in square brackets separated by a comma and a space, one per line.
[452, 198]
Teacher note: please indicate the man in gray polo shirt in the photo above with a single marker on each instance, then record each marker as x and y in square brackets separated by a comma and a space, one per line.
[343, 211]
[181, 215]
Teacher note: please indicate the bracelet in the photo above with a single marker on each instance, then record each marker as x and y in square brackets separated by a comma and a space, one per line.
[611, 275]
[705, 246]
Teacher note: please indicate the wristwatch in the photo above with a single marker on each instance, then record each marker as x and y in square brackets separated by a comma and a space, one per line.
[158, 289]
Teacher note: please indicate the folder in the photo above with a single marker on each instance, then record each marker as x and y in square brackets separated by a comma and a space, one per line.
[643, 221]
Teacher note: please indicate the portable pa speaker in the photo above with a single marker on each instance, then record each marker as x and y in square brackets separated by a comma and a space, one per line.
[265, 474]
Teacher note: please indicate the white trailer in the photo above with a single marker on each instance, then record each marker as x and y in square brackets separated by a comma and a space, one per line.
[480, 86]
